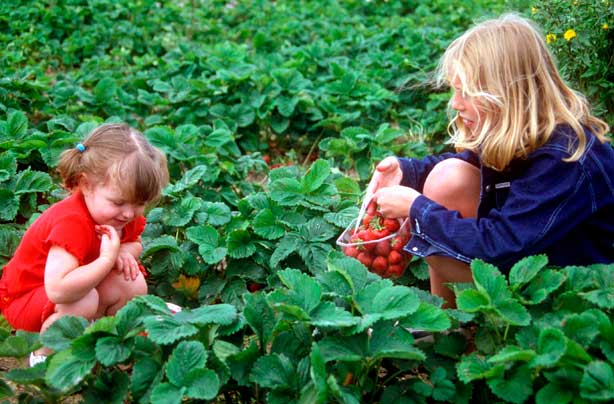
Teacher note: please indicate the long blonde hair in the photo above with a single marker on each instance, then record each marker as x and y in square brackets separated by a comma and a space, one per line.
[118, 153]
[504, 65]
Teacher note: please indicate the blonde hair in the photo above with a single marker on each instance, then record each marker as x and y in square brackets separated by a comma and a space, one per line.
[505, 66]
[121, 154]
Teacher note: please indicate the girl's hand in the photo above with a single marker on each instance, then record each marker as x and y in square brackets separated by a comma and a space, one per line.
[109, 242]
[387, 174]
[395, 201]
[127, 264]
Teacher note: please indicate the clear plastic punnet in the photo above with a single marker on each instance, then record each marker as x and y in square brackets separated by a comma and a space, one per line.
[377, 242]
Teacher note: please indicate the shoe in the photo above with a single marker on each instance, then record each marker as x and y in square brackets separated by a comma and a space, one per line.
[36, 359]
[173, 307]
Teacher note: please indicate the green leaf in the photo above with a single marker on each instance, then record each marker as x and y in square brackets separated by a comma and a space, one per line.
[207, 239]
[287, 246]
[5, 390]
[393, 342]
[329, 315]
[345, 349]
[391, 302]
[304, 290]
[62, 332]
[489, 281]
[159, 244]
[553, 393]
[525, 270]
[144, 372]
[551, 346]
[275, 372]
[189, 180]
[473, 367]
[428, 318]
[105, 90]
[240, 244]
[286, 105]
[17, 124]
[443, 388]
[513, 312]
[515, 387]
[165, 330]
[542, 285]
[318, 374]
[182, 214]
[266, 226]
[316, 176]
[317, 230]
[186, 356]
[28, 181]
[583, 327]
[603, 298]
[471, 301]
[218, 138]
[259, 316]
[286, 192]
[202, 384]
[598, 381]
[66, 370]
[112, 350]
[10, 205]
[166, 393]
[217, 213]
[512, 353]
[223, 314]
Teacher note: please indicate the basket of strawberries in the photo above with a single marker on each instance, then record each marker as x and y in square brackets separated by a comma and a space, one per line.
[377, 242]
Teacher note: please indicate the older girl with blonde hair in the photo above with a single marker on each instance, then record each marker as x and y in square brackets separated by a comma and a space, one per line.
[533, 172]
[80, 256]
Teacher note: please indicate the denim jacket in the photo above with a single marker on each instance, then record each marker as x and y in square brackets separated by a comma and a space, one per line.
[538, 205]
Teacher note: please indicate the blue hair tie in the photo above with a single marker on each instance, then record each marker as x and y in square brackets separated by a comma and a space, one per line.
[80, 147]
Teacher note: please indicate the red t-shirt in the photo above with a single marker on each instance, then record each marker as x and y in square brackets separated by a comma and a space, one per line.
[66, 224]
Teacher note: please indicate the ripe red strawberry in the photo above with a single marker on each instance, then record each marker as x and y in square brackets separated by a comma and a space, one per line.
[382, 248]
[367, 235]
[372, 208]
[365, 259]
[351, 251]
[395, 257]
[380, 265]
[366, 220]
[397, 243]
[254, 286]
[394, 271]
[392, 225]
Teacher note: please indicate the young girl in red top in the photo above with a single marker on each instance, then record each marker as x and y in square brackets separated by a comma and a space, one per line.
[80, 257]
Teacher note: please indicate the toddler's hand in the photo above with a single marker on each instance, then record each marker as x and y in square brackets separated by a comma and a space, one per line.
[127, 264]
[109, 242]
[395, 201]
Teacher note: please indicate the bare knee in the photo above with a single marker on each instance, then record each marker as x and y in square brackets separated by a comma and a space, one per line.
[455, 184]
[85, 307]
[115, 291]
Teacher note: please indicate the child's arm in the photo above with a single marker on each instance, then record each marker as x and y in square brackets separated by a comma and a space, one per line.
[127, 259]
[66, 281]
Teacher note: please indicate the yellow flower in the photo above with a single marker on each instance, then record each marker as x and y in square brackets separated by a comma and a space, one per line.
[533, 10]
[575, 3]
[605, 26]
[550, 38]
[569, 34]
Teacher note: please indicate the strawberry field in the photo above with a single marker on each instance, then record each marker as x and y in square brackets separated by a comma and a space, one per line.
[272, 116]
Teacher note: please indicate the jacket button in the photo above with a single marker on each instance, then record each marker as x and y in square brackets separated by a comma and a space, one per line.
[487, 188]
